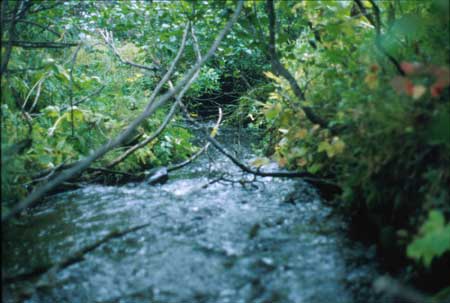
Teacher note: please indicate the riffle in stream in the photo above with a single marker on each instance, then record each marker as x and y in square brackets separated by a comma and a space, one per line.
[272, 241]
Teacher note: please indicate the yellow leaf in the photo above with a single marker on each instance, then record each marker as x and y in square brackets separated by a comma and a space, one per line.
[301, 162]
[258, 162]
[371, 80]
[273, 77]
[418, 91]
[301, 134]
[338, 145]
[275, 96]
[214, 132]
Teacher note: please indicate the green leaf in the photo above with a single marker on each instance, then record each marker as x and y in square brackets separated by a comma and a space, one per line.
[433, 239]
[77, 114]
[273, 111]
[314, 168]
[323, 146]
[51, 111]
[439, 131]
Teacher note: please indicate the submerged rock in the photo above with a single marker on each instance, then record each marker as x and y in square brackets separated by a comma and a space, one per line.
[159, 175]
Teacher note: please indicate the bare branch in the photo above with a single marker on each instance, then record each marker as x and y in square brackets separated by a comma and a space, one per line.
[305, 175]
[38, 193]
[73, 61]
[44, 28]
[172, 111]
[39, 44]
[21, 70]
[75, 257]
[281, 70]
[110, 41]
[215, 128]
[108, 38]
[376, 22]
[149, 139]
[86, 98]
[202, 150]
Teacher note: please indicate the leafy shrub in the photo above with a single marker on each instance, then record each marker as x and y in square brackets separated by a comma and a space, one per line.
[390, 146]
[433, 239]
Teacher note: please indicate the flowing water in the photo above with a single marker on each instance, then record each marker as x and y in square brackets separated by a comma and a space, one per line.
[270, 241]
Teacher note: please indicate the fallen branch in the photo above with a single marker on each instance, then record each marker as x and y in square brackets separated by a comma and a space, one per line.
[210, 182]
[76, 257]
[151, 107]
[164, 124]
[174, 107]
[141, 176]
[110, 171]
[47, 173]
[150, 138]
[278, 174]
[201, 151]
[107, 36]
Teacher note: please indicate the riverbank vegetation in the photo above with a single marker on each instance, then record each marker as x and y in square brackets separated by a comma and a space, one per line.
[353, 93]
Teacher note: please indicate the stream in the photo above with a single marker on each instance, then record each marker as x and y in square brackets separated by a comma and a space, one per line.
[269, 241]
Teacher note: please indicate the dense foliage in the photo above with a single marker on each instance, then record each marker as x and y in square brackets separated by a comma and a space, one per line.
[388, 140]
[376, 71]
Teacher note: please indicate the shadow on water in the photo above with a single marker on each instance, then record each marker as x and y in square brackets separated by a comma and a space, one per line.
[269, 243]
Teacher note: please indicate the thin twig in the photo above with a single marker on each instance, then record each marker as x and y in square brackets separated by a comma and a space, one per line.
[279, 68]
[38, 193]
[75, 257]
[202, 150]
[45, 28]
[377, 25]
[171, 113]
[74, 59]
[39, 44]
[84, 99]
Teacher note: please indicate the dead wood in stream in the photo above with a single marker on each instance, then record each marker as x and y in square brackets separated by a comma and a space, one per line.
[77, 256]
